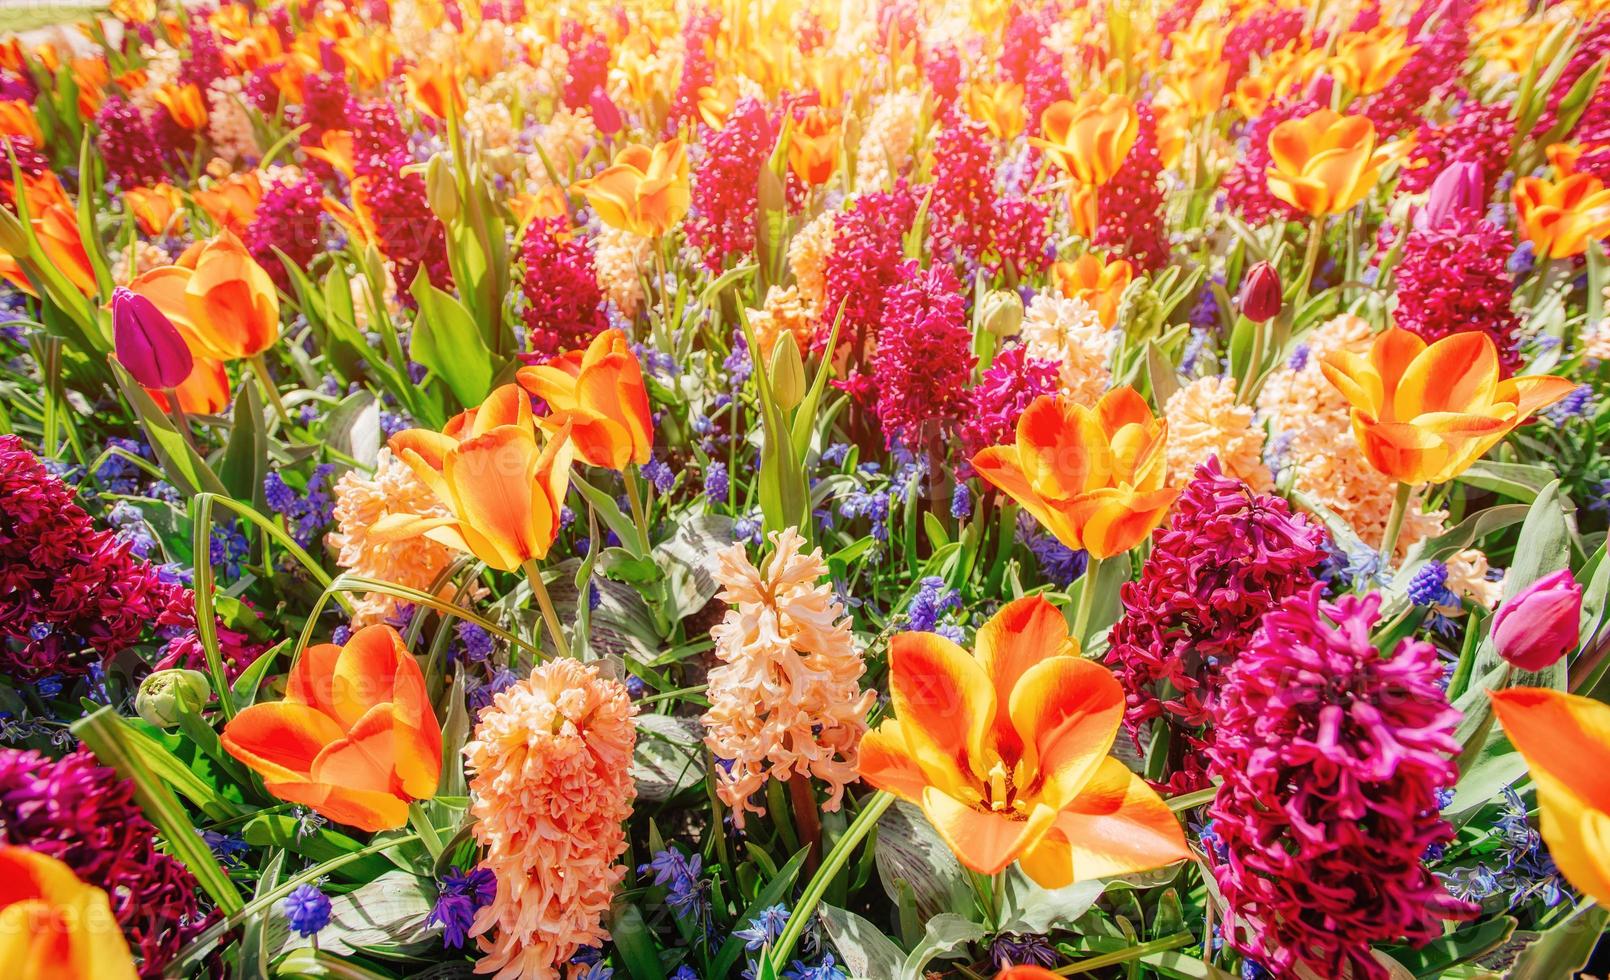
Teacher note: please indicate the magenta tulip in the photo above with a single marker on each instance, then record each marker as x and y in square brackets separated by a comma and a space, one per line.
[1457, 189]
[147, 342]
[1260, 293]
[1540, 624]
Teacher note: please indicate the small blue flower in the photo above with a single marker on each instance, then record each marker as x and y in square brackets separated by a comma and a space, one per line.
[1429, 586]
[657, 472]
[460, 895]
[961, 502]
[307, 909]
[716, 482]
[764, 929]
[826, 970]
[476, 641]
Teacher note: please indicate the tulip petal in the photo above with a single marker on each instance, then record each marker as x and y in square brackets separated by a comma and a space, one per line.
[280, 740]
[981, 839]
[1458, 373]
[1119, 825]
[1023, 633]
[364, 809]
[365, 673]
[1534, 393]
[365, 759]
[491, 478]
[945, 705]
[886, 762]
[1067, 711]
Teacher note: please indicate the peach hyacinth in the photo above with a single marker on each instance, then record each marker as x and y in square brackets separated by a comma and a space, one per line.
[1204, 420]
[551, 789]
[787, 699]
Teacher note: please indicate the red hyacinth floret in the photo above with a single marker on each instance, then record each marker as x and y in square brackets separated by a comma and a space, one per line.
[866, 261]
[587, 70]
[409, 234]
[85, 816]
[726, 188]
[1479, 133]
[924, 357]
[564, 306]
[1453, 279]
[1267, 29]
[1004, 390]
[698, 67]
[290, 219]
[1431, 72]
[1224, 559]
[1130, 215]
[128, 145]
[1332, 756]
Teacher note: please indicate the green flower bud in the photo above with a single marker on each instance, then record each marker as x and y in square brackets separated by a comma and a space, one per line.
[787, 372]
[441, 190]
[1002, 312]
[167, 695]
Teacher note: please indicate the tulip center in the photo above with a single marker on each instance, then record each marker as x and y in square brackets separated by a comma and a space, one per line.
[1000, 796]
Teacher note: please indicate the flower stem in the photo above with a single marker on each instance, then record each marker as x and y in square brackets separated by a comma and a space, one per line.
[639, 514]
[260, 368]
[1394, 524]
[1087, 600]
[550, 616]
[1316, 235]
[835, 862]
[420, 821]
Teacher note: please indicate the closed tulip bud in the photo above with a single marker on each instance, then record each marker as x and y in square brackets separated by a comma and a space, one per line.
[441, 190]
[147, 342]
[1540, 624]
[787, 372]
[605, 115]
[168, 695]
[1260, 293]
[1456, 189]
[1002, 314]
[13, 239]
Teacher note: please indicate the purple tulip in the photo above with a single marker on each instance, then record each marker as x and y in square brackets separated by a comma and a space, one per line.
[1260, 293]
[1540, 625]
[147, 343]
[1458, 188]
[605, 116]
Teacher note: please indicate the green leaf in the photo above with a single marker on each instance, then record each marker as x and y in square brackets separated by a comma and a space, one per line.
[184, 467]
[1518, 481]
[1026, 907]
[669, 756]
[909, 850]
[607, 509]
[447, 341]
[1564, 949]
[774, 892]
[284, 831]
[634, 944]
[1460, 946]
[863, 948]
[112, 741]
[254, 956]
[944, 936]
[245, 462]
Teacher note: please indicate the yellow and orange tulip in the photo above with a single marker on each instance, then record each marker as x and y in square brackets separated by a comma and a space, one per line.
[645, 191]
[1324, 162]
[1560, 217]
[155, 209]
[1366, 61]
[1565, 739]
[599, 392]
[1424, 413]
[1089, 138]
[233, 201]
[998, 105]
[219, 298]
[54, 926]
[17, 119]
[435, 89]
[502, 484]
[56, 227]
[355, 738]
[813, 145]
[1092, 477]
[205, 391]
[184, 104]
[1006, 751]
[1097, 282]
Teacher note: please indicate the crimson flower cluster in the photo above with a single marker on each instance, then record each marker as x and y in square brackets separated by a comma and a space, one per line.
[924, 357]
[126, 143]
[727, 186]
[1480, 133]
[1005, 388]
[1130, 206]
[290, 218]
[969, 219]
[1226, 557]
[1332, 756]
[866, 259]
[1452, 278]
[409, 234]
[564, 305]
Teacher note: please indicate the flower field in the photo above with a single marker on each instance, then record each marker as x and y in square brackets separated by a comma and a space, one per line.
[794, 490]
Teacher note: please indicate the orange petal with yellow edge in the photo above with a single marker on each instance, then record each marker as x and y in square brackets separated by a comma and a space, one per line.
[279, 739]
[1020, 635]
[364, 809]
[1067, 711]
[984, 840]
[944, 702]
[886, 762]
[1118, 825]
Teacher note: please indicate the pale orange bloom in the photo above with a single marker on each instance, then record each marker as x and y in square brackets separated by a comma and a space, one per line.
[17, 119]
[600, 394]
[1324, 162]
[232, 202]
[1560, 217]
[184, 103]
[644, 191]
[998, 105]
[435, 89]
[1424, 413]
[1090, 137]
[56, 227]
[54, 926]
[549, 202]
[1094, 478]
[1006, 751]
[369, 56]
[813, 145]
[155, 208]
[503, 487]
[1097, 282]
[355, 738]
[1366, 61]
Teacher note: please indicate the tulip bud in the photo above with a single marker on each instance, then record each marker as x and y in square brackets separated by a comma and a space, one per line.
[1260, 293]
[605, 116]
[13, 239]
[1540, 624]
[440, 189]
[1002, 313]
[167, 695]
[147, 342]
[1456, 189]
[787, 372]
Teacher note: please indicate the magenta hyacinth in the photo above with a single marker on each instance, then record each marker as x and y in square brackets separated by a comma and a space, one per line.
[84, 815]
[866, 261]
[924, 357]
[1332, 756]
[726, 186]
[564, 305]
[969, 220]
[1130, 208]
[409, 235]
[1007, 387]
[290, 219]
[125, 141]
[1479, 134]
[1225, 558]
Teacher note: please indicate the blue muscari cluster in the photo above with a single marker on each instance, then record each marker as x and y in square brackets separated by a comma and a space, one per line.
[307, 909]
[685, 891]
[737, 364]
[1578, 404]
[1205, 312]
[130, 525]
[1522, 260]
[933, 599]
[747, 528]
[474, 643]
[1429, 586]
[659, 473]
[1058, 562]
[716, 483]
[228, 548]
[459, 896]
[961, 502]
[1298, 359]
[499, 682]
[308, 513]
[1520, 867]
[117, 474]
[1193, 350]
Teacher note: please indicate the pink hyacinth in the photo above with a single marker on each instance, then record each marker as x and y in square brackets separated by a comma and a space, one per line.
[1225, 558]
[1431, 72]
[1266, 29]
[409, 235]
[1479, 134]
[969, 220]
[1004, 390]
[924, 357]
[726, 186]
[564, 306]
[865, 261]
[290, 219]
[125, 141]
[1131, 214]
[1332, 756]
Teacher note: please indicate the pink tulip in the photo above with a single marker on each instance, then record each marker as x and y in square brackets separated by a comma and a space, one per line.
[1456, 189]
[1540, 625]
[147, 342]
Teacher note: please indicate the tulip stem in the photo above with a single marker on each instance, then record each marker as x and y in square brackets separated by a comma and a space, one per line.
[1316, 235]
[176, 412]
[1087, 600]
[420, 821]
[1394, 524]
[545, 602]
[260, 368]
[805, 911]
[639, 515]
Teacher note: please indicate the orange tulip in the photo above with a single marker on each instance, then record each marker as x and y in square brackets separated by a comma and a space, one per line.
[644, 191]
[54, 926]
[369, 56]
[435, 89]
[1026, 972]
[56, 227]
[503, 486]
[232, 202]
[17, 119]
[355, 739]
[155, 209]
[1097, 282]
[1005, 749]
[184, 103]
[336, 148]
[600, 393]
[1365, 61]
[813, 145]
[998, 105]
[222, 302]
[1565, 739]
[1092, 477]
[1424, 414]
[1560, 217]
[205, 391]
[12, 271]
[1089, 138]
[1324, 163]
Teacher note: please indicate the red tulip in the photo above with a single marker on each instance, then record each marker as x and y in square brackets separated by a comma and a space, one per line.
[1260, 293]
[1540, 624]
[147, 342]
